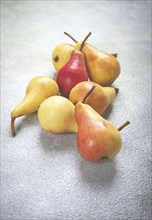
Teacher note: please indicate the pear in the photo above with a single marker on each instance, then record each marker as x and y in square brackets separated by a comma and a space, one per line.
[99, 99]
[61, 55]
[97, 138]
[56, 115]
[73, 72]
[102, 68]
[38, 89]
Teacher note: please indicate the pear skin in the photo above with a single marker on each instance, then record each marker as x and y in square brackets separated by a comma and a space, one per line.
[56, 115]
[102, 68]
[99, 99]
[73, 72]
[39, 89]
[96, 137]
[61, 55]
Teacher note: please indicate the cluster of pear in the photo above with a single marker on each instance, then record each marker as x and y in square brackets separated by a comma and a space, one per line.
[75, 101]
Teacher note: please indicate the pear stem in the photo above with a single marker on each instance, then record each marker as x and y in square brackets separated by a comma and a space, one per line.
[116, 90]
[123, 125]
[83, 42]
[71, 37]
[86, 96]
[13, 127]
[114, 54]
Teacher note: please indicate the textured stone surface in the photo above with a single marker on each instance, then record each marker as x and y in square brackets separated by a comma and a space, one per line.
[42, 175]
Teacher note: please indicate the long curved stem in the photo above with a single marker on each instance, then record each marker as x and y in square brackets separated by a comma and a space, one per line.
[83, 42]
[123, 125]
[13, 127]
[86, 96]
[71, 37]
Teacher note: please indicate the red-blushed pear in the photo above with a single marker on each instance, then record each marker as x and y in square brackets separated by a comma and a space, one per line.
[73, 72]
[99, 99]
[97, 138]
[102, 67]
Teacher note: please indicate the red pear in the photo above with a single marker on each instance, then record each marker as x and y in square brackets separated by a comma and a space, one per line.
[73, 72]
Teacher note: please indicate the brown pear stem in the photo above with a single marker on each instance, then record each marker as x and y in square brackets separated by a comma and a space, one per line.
[114, 54]
[13, 127]
[71, 37]
[86, 96]
[116, 90]
[123, 125]
[83, 42]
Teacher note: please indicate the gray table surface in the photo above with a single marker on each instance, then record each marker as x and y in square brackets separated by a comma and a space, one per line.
[42, 175]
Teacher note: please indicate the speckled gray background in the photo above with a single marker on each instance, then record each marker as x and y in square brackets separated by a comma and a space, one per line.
[42, 175]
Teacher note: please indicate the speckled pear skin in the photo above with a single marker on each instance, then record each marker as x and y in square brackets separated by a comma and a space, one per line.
[97, 138]
[99, 99]
[61, 55]
[102, 68]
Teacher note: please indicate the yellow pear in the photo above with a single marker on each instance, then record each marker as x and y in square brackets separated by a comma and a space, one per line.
[38, 89]
[99, 99]
[61, 55]
[103, 68]
[56, 115]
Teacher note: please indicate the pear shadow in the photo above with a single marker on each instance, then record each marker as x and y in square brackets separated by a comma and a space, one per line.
[61, 142]
[107, 112]
[25, 121]
[91, 174]
[97, 174]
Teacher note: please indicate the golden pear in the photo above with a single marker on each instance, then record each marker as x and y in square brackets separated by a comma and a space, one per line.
[103, 68]
[56, 115]
[99, 99]
[61, 55]
[38, 89]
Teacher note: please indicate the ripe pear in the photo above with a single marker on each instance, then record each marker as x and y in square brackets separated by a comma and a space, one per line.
[61, 55]
[103, 68]
[38, 89]
[99, 99]
[97, 138]
[56, 115]
[73, 72]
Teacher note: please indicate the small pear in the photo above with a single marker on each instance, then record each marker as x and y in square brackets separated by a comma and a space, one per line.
[73, 72]
[61, 55]
[103, 68]
[97, 138]
[56, 115]
[38, 89]
[99, 99]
